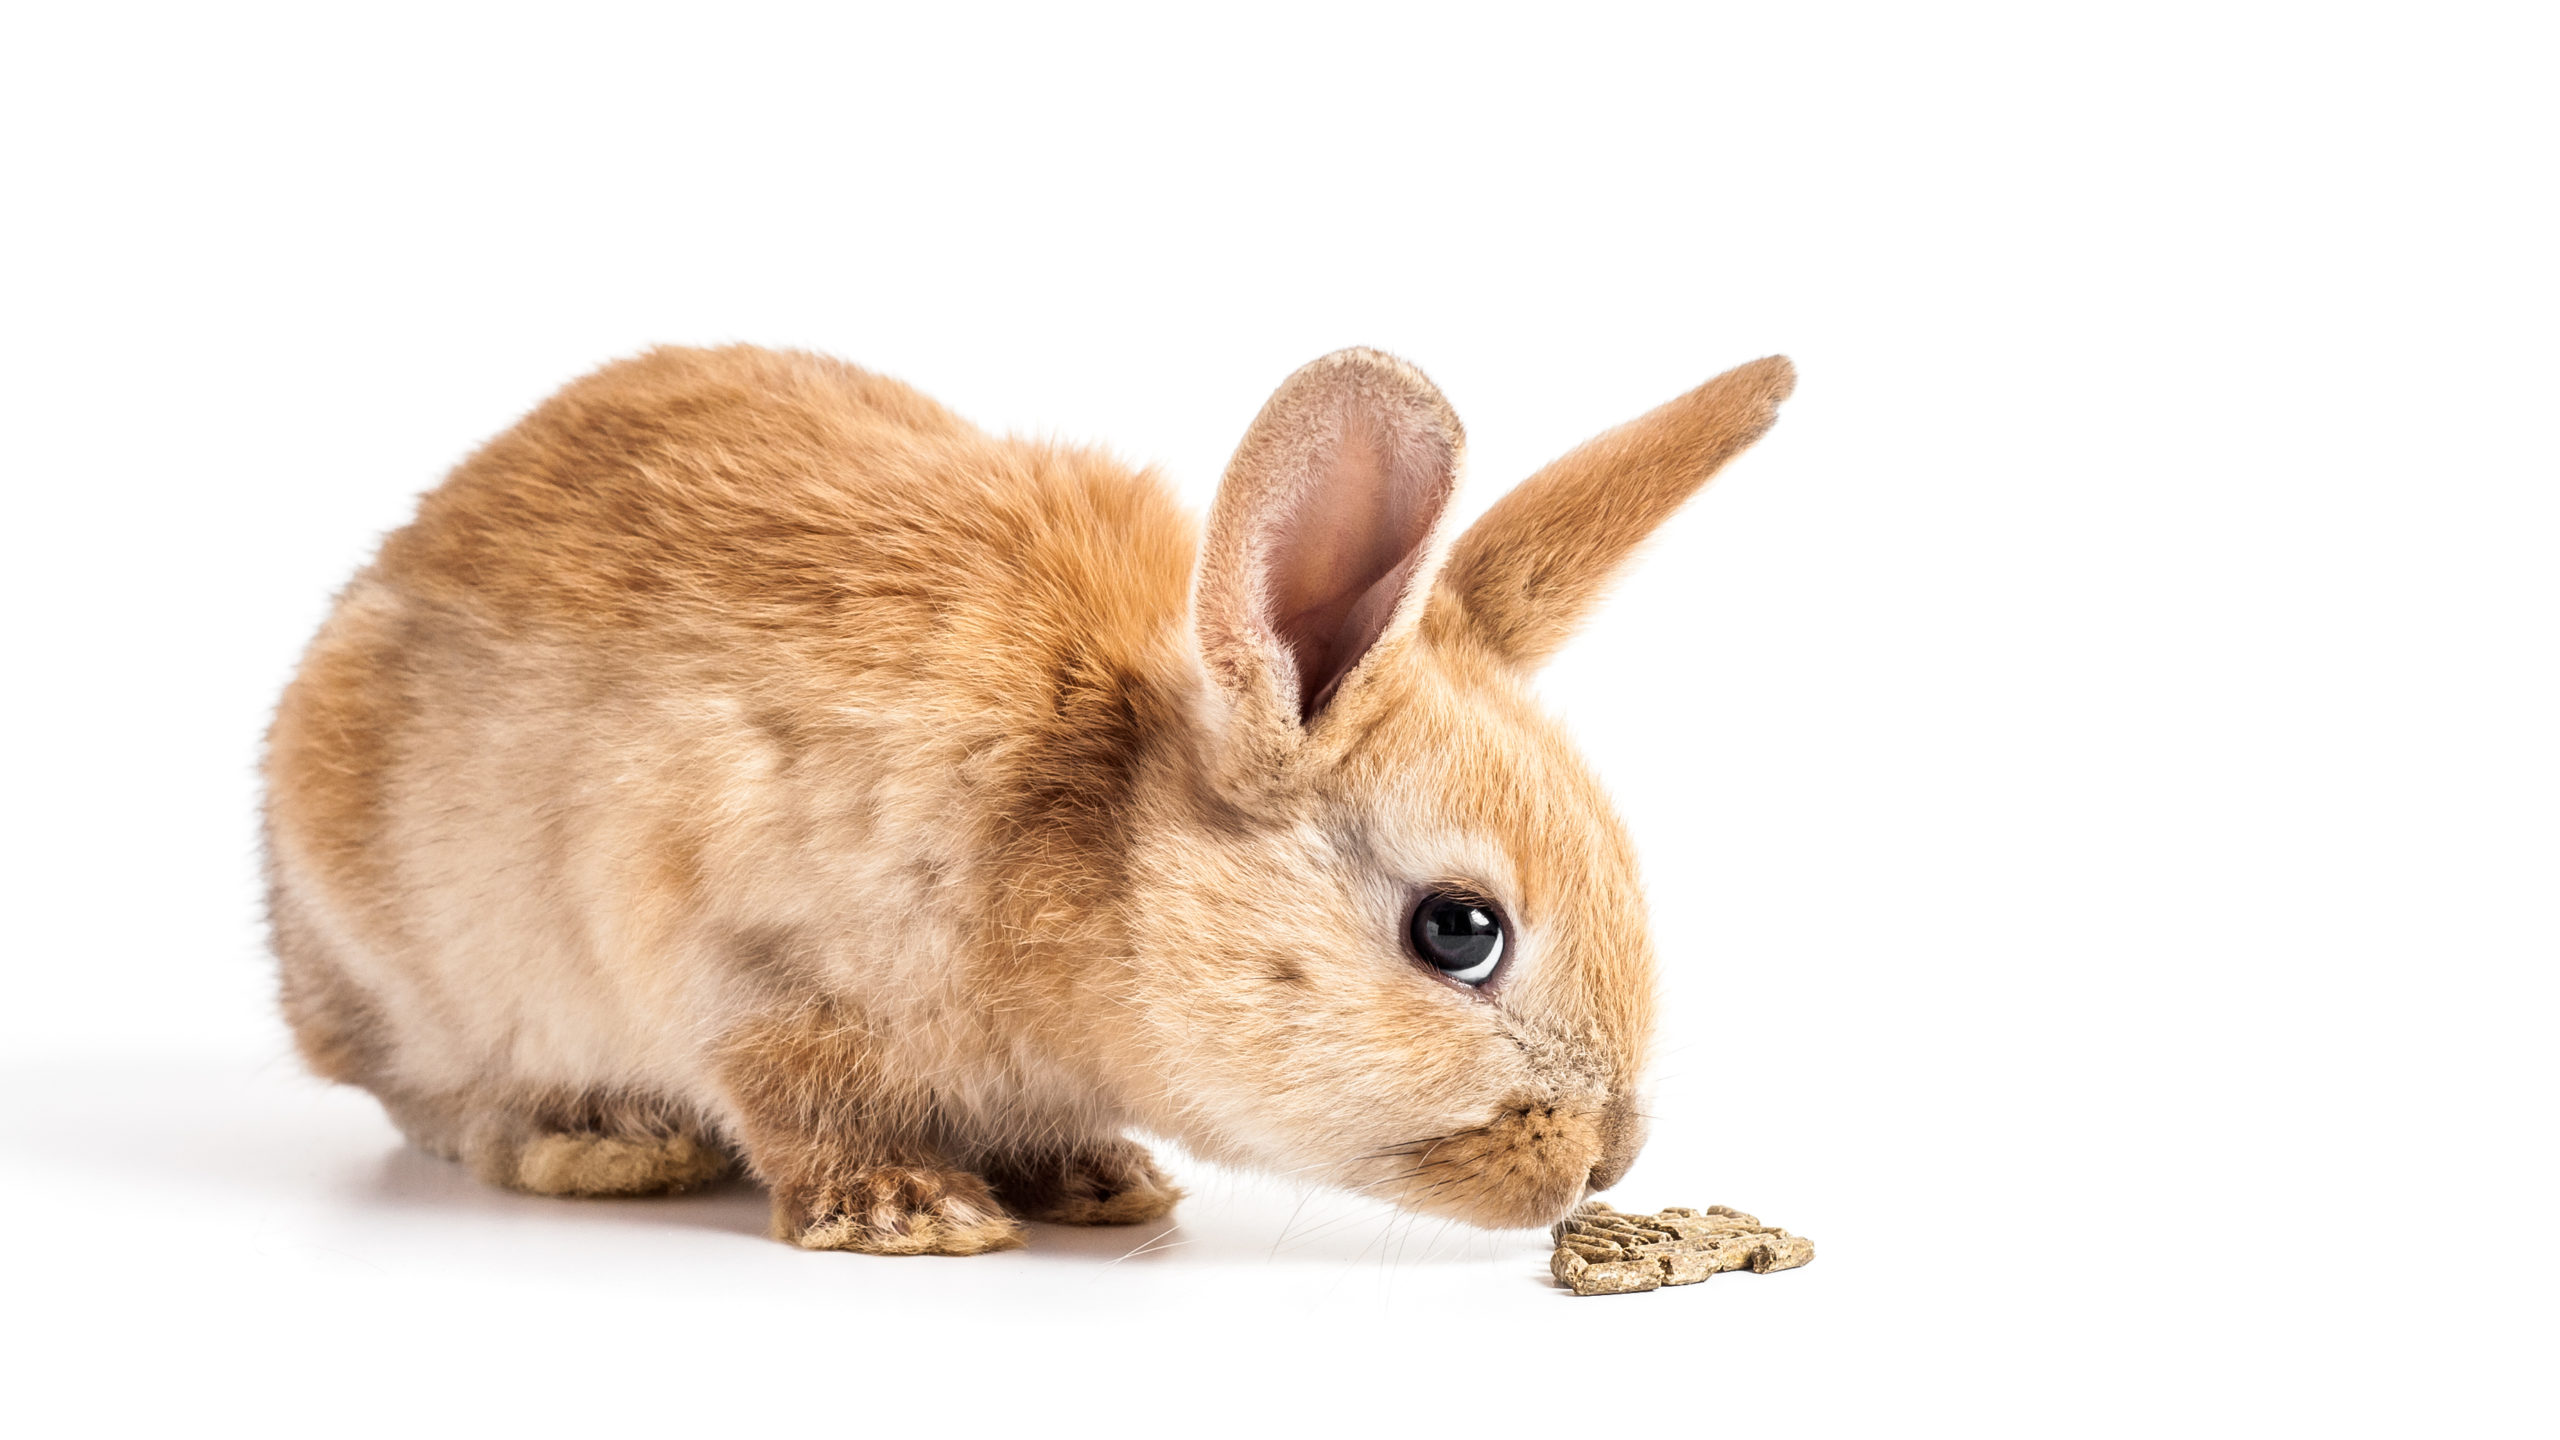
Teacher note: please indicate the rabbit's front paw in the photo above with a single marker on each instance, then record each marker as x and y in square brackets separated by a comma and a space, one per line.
[897, 1210]
[1115, 1182]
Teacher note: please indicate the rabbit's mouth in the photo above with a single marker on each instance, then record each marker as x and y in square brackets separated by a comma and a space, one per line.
[1527, 1166]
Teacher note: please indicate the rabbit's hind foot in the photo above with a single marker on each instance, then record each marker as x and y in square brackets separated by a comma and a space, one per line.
[588, 1163]
[602, 1143]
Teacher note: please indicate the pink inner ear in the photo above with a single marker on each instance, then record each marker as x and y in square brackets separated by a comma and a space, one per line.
[1346, 552]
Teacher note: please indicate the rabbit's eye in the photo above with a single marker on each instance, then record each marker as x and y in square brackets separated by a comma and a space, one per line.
[1459, 936]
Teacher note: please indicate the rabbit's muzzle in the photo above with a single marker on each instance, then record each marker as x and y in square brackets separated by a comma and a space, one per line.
[1622, 1132]
[1528, 1165]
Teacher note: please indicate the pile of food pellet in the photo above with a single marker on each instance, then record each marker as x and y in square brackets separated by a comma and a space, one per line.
[1601, 1252]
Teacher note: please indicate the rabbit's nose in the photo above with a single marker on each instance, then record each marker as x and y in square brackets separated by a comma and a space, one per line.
[1622, 1132]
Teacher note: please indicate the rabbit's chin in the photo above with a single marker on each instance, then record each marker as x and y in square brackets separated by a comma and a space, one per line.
[1526, 1167]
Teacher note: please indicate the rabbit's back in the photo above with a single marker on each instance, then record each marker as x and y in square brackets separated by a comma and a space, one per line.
[790, 496]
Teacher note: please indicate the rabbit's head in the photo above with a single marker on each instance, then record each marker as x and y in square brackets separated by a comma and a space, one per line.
[1389, 931]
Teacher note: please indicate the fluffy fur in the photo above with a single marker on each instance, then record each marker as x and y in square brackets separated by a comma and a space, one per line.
[745, 760]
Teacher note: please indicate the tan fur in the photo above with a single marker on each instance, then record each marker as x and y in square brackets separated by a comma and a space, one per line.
[1534, 565]
[571, 1164]
[745, 756]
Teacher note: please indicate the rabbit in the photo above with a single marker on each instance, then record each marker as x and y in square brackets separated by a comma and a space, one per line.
[745, 762]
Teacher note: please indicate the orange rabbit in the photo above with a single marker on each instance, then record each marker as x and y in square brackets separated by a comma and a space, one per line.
[745, 760]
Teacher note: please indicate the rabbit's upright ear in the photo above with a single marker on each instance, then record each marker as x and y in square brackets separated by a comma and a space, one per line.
[1523, 576]
[1321, 543]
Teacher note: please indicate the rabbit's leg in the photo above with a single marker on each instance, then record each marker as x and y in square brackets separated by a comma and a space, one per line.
[1111, 1181]
[608, 1147]
[544, 1142]
[845, 1151]
[559, 1144]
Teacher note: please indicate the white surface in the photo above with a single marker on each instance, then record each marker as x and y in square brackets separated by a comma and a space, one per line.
[2094, 762]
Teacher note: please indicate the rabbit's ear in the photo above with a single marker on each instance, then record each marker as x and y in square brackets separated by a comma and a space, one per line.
[1530, 568]
[1321, 543]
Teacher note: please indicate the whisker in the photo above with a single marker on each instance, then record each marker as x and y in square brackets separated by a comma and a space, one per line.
[1149, 1243]
[1407, 1146]
[1290, 1224]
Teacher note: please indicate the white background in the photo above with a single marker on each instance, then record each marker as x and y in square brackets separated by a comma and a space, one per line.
[2094, 762]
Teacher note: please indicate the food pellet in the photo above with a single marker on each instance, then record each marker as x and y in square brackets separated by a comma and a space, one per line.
[1602, 1252]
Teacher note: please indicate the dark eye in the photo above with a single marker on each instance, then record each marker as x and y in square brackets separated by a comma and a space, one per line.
[1460, 937]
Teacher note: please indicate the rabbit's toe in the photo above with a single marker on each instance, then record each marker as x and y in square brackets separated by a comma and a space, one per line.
[899, 1210]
